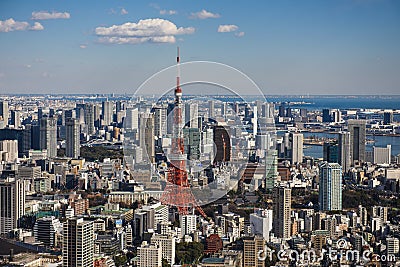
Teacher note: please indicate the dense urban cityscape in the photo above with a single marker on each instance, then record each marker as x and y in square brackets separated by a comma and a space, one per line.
[199, 133]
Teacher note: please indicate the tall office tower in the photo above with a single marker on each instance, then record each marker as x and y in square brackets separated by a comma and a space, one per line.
[224, 109]
[254, 121]
[344, 156]
[97, 115]
[251, 251]
[261, 223]
[89, 118]
[387, 118]
[9, 150]
[282, 110]
[78, 243]
[149, 255]
[330, 186]
[72, 142]
[12, 204]
[188, 224]
[357, 140]
[222, 142]
[146, 136]
[119, 106]
[282, 204]
[160, 121]
[48, 136]
[326, 115]
[15, 119]
[380, 212]
[211, 109]
[336, 115]
[363, 215]
[4, 112]
[192, 115]
[45, 229]
[107, 111]
[131, 119]
[271, 165]
[330, 152]
[191, 141]
[296, 147]
[382, 155]
[167, 244]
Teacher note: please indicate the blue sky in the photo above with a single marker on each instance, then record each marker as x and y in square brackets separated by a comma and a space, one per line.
[286, 47]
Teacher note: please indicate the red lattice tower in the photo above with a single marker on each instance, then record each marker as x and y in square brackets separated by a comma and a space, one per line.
[177, 191]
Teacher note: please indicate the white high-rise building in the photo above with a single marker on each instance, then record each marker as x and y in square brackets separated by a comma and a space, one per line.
[344, 155]
[261, 223]
[48, 136]
[8, 150]
[167, 244]
[330, 186]
[4, 112]
[392, 246]
[188, 224]
[149, 255]
[12, 204]
[282, 208]
[296, 147]
[107, 111]
[78, 243]
[382, 155]
[160, 121]
[192, 114]
[73, 145]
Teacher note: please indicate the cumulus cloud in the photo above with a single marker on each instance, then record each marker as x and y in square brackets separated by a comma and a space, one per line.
[204, 14]
[123, 11]
[10, 25]
[50, 15]
[145, 31]
[227, 28]
[168, 12]
[83, 46]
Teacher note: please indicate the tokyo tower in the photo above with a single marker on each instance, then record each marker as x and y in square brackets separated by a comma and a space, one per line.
[177, 191]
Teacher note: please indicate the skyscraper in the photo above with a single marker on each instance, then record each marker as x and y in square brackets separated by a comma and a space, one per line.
[382, 155]
[344, 156]
[48, 136]
[296, 147]
[191, 115]
[78, 243]
[107, 111]
[15, 118]
[271, 165]
[281, 212]
[72, 148]
[211, 109]
[45, 229]
[160, 121]
[357, 140]
[12, 204]
[146, 135]
[330, 186]
[330, 152]
[89, 117]
[387, 118]
[4, 112]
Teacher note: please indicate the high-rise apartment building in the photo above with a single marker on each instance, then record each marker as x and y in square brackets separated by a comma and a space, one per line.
[149, 255]
[330, 186]
[12, 203]
[281, 211]
[72, 143]
[78, 243]
[167, 244]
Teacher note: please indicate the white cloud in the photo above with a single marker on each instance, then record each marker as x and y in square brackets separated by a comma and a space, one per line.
[83, 46]
[168, 12]
[45, 74]
[239, 34]
[50, 15]
[27, 66]
[145, 31]
[10, 25]
[204, 14]
[123, 11]
[227, 28]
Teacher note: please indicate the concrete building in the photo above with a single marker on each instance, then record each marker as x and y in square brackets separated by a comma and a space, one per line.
[9, 150]
[261, 223]
[4, 112]
[382, 155]
[160, 121]
[344, 155]
[188, 224]
[357, 129]
[330, 186]
[296, 147]
[48, 136]
[252, 247]
[72, 148]
[45, 230]
[107, 108]
[167, 244]
[12, 204]
[78, 243]
[192, 115]
[281, 212]
[149, 255]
